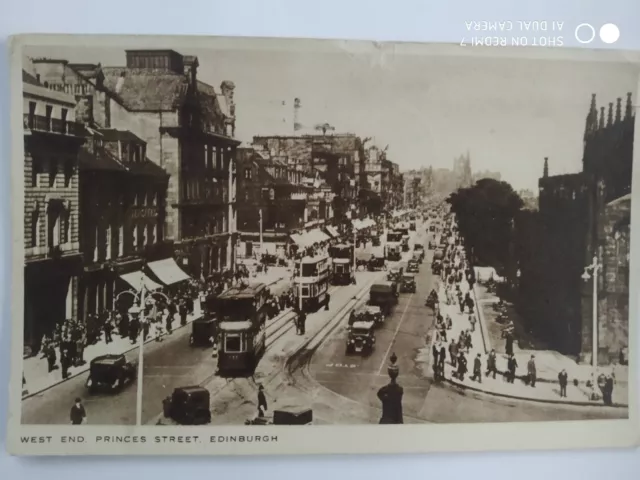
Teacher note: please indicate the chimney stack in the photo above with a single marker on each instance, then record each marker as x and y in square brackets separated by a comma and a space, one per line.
[545, 172]
[296, 115]
[610, 116]
[627, 111]
[601, 124]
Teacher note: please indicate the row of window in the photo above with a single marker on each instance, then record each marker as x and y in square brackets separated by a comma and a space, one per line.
[48, 112]
[51, 172]
[50, 227]
[197, 227]
[110, 242]
[205, 188]
[133, 152]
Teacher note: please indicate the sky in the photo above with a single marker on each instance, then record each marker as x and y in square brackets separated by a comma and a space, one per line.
[509, 113]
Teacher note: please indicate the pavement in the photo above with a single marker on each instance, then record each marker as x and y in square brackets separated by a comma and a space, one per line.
[166, 363]
[548, 364]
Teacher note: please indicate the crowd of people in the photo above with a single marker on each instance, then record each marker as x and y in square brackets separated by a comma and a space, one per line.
[458, 279]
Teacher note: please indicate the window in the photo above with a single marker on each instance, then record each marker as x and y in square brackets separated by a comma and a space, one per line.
[120, 240]
[125, 152]
[219, 156]
[32, 112]
[96, 239]
[107, 237]
[53, 171]
[134, 237]
[36, 170]
[247, 173]
[150, 234]
[48, 111]
[141, 236]
[247, 196]
[35, 227]
[68, 173]
[63, 115]
[233, 343]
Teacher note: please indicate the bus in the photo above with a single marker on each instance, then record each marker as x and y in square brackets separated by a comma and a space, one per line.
[312, 282]
[242, 315]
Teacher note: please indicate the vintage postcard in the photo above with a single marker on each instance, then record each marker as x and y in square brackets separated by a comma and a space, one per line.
[268, 246]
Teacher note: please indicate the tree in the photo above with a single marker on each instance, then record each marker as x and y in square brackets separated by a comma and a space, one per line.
[485, 213]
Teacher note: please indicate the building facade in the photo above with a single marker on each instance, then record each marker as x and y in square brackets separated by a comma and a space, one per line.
[188, 128]
[122, 218]
[53, 261]
[582, 216]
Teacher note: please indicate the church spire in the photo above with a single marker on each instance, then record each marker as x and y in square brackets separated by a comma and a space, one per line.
[618, 109]
[601, 124]
[610, 115]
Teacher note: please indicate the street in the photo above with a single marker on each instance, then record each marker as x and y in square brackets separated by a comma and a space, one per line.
[322, 378]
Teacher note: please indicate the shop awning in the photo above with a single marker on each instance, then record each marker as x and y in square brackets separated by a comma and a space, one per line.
[168, 271]
[317, 236]
[138, 279]
[332, 231]
[298, 239]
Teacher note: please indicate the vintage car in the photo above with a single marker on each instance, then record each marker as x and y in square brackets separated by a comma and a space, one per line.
[393, 252]
[383, 295]
[376, 263]
[361, 337]
[436, 267]
[408, 283]
[203, 332]
[412, 226]
[413, 266]
[110, 372]
[394, 274]
[375, 240]
[366, 313]
[418, 249]
[188, 406]
[302, 416]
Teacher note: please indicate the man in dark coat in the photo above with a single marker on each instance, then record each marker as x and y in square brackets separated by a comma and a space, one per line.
[441, 359]
[512, 364]
[509, 344]
[491, 364]
[453, 352]
[462, 366]
[262, 402]
[563, 379]
[326, 306]
[531, 371]
[477, 369]
[78, 415]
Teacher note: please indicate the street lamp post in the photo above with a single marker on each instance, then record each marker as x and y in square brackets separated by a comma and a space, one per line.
[594, 267]
[261, 245]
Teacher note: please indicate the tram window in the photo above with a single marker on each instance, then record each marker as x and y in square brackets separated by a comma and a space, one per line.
[233, 343]
[305, 291]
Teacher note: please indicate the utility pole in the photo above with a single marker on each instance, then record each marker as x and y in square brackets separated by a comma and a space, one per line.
[261, 245]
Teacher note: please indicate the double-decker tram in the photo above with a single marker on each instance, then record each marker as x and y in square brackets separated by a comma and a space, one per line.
[342, 257]
[312, 282]
[242, 316]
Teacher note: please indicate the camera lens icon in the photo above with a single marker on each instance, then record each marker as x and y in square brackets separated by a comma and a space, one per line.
[586, 33]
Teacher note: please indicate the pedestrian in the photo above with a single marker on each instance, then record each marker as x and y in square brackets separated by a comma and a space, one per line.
[303, 321]
[563, 379]
[108, 328]
[262, 402]
[472, 321]
[78, 414]
[435, 350]
[531, 371]
[65, 361]
[468, 343]
[326, 305]
[50, 354]
[509, 344]
[512, 365]
[449, 323]
[453, 352]
[491, 364]
[441, 358]
[477, 369]
[168, 319]
[183, 312]
[462, 366]
[607, 392]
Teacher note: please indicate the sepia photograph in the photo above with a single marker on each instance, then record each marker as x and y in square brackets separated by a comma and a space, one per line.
[263, 233]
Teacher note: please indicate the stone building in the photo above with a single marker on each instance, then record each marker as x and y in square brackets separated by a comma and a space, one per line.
[53, 262]
[272, 192]
[330, 158]
[189, 131]
[583, 215]
[122, 218]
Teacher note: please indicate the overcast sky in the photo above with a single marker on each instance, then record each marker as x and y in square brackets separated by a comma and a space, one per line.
[508, 113]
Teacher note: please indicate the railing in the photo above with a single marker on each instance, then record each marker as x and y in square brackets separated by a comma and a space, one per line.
[53, 125]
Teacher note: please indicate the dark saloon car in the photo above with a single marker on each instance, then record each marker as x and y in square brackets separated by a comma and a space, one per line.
[110, 372]
[188, 406]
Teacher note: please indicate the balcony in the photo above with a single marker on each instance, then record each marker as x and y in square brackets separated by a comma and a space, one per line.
[38, 123]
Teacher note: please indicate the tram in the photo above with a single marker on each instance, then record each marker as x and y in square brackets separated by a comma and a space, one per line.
[342, 257]
[312, 282]
[242, 316]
